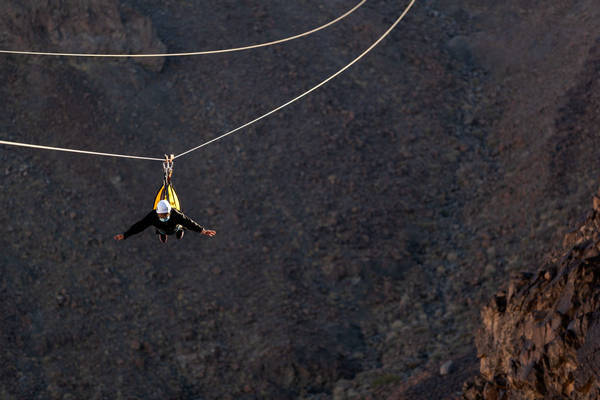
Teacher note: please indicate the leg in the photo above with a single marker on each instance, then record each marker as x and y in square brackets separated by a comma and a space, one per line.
[179, 232]
[161, 236]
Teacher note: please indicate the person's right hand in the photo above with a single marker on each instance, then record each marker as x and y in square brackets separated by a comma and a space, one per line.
[208, 232]
[120, 236]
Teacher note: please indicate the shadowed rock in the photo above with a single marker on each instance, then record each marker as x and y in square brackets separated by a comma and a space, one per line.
[541, 337]
[81, 27]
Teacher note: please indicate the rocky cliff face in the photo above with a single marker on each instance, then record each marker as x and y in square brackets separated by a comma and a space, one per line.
[541, 335]
[80, 27]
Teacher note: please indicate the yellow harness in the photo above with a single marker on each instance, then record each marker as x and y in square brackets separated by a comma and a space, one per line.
[167, 190]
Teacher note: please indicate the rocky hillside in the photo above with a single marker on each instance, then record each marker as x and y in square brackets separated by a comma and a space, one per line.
[359, 231]
[540, 335]
[298, 295]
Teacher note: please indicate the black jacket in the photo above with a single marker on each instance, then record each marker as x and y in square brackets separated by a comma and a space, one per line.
[169, 227]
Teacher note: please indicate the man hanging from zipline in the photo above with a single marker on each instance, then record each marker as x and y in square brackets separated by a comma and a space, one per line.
[166, 217]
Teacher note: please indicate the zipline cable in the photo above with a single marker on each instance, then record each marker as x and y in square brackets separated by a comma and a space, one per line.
[307, 92]
[35, 146]
[196, 53]
[9, 143]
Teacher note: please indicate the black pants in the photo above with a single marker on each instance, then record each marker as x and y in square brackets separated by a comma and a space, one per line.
[178, 231]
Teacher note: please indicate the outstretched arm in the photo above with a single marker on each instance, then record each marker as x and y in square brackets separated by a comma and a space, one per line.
[137, 227]
[193, 226]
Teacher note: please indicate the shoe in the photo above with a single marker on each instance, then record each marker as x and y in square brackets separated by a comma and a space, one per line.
[162, 238]
[179, 234]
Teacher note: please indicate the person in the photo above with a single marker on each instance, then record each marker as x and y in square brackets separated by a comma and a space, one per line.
[167, 221]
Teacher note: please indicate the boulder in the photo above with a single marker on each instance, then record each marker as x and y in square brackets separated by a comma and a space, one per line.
[540, 338]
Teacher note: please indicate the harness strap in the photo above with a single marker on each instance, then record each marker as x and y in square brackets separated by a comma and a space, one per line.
[168, 167]
[168, 173]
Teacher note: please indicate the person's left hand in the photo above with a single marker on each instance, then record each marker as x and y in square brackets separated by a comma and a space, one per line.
[209, 233]
[120, 236]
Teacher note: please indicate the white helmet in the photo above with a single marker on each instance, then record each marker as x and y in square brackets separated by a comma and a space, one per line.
[163, 207]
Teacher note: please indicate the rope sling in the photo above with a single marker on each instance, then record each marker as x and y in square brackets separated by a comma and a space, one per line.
[167, 190]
